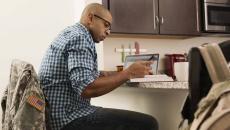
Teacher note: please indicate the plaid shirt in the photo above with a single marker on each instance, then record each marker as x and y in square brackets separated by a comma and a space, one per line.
[70, 64]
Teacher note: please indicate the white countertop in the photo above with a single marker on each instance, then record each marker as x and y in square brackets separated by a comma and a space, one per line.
[163, 85]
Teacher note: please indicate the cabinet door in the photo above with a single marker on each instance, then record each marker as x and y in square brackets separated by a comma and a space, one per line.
[179, 17]
[134, 16]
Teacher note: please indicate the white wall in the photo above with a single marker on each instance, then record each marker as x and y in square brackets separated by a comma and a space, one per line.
[161, 46]
[164, 105]
[27, 27]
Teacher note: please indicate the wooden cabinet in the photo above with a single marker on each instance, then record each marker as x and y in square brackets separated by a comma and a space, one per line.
[179, 17]
[166, 17]
[134, 16]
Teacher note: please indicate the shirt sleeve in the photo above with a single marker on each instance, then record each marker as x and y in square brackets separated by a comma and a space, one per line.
[81, 64]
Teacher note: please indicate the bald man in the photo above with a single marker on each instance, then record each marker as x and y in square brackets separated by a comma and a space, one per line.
[70, 78]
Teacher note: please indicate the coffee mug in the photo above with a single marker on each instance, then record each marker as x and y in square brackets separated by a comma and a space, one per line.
[181, 71]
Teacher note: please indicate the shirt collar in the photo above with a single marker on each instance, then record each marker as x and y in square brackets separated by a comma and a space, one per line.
[83, 28]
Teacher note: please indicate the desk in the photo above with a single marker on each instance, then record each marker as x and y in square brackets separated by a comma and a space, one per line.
[162, 103]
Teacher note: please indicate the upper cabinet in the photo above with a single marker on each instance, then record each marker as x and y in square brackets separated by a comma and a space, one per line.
[133, 16]
[166, 17]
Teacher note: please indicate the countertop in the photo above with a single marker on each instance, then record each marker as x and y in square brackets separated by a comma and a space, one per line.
[161, 85]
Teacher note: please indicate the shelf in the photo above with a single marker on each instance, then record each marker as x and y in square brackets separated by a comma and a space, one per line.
[126, 50]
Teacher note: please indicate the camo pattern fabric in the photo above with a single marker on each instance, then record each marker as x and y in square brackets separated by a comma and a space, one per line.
[18, 113]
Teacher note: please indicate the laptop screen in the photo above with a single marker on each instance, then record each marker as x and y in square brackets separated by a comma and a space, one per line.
[129, 59]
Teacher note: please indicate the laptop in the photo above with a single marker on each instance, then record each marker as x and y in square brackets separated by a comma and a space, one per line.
[129, 59]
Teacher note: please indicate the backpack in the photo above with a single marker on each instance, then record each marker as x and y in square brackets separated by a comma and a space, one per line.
[213, 112]
[199, 82]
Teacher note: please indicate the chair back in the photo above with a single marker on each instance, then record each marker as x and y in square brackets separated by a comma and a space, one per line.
[23, 103]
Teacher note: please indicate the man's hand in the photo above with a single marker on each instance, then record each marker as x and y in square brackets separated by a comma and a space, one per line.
[106, 83]
[139, 69]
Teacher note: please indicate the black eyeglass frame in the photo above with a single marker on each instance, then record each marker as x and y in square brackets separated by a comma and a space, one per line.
[109, 24]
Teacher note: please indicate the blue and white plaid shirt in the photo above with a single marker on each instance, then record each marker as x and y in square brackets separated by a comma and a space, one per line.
[70, 64]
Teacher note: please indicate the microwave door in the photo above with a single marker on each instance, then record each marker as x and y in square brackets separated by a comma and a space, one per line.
[217, 17]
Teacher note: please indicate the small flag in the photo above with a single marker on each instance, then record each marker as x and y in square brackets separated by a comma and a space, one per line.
[36, 102]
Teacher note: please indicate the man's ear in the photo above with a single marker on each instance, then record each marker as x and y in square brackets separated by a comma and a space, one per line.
[90, 18]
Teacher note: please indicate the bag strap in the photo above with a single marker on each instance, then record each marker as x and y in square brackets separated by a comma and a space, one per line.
[215, 62]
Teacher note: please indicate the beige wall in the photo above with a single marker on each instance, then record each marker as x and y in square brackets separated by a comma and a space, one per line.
[27, 27]
[161, 46]
[163, 104]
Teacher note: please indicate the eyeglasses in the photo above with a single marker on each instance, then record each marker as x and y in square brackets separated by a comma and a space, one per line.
[106, 23]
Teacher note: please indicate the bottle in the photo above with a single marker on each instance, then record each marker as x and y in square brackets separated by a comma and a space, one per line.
[137, 48]
[122, 53]
[130, 49]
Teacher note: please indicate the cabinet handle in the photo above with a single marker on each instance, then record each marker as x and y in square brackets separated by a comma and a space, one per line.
[162, 20]
[197, 17]
[157, 20]
[154, 15]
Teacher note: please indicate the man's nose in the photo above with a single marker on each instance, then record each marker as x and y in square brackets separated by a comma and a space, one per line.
[107, 32]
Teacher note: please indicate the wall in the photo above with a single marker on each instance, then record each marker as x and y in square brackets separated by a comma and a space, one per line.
[163, 104]
[161, 46]
[28, 27]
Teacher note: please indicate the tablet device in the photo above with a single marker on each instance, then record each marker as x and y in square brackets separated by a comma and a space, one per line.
[129, 59]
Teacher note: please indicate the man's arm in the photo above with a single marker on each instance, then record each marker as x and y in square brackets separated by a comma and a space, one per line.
[106, 84]
[107, 73]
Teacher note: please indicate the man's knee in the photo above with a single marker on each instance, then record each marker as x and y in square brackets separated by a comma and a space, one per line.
[151, 123]
[154, 124]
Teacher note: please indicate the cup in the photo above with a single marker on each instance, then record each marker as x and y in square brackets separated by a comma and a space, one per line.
[181, 71]
[119, 68]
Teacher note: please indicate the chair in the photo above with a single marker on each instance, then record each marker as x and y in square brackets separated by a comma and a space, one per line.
[23, 103]
[199, 80]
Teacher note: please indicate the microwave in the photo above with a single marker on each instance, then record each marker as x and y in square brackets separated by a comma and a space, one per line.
[216, 17]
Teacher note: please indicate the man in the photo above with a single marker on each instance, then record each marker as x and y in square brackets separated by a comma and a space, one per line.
[70, 77]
